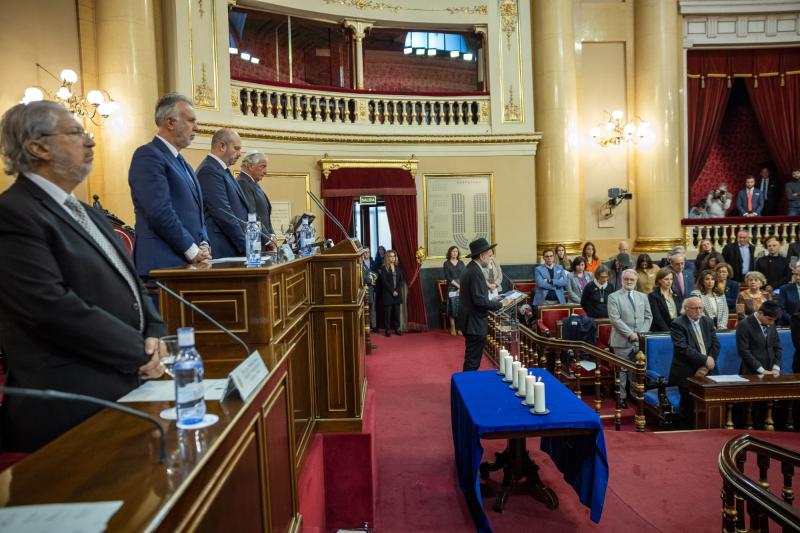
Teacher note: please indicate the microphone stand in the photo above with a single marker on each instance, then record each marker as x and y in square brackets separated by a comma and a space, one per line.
[234, 217]
[329, 214]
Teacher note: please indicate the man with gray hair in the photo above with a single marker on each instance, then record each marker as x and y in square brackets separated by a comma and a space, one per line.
[170, 226]
[74, 315]
[254, 167]
[629, 313]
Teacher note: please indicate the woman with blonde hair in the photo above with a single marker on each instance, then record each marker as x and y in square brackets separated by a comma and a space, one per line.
[392, 290]
[712, 293]
[749, 300]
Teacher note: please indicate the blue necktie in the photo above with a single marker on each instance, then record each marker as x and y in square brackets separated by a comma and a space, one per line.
[630, 299]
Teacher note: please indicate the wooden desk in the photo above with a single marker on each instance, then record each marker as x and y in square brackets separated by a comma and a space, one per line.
[713, 402]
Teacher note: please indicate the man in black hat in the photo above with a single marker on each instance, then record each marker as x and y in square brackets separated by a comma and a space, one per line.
[474, 303]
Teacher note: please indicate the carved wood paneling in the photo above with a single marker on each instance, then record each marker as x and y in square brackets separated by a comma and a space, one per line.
[279, 467]
[336, 397]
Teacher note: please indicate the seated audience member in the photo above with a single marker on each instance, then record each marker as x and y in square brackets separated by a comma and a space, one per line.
[74, 315]
[769, 188]
[664, 304]
[758, 343]
[493, 275]
[590, 254]
[683, 282]
[706, 247]
[789, 297]
[724, 274]
[712, 293]
[774, 266]
[551, 280]
[711, 261]
[698, 210]
[740, 255]
[718, 201]
[579, 278]
[792, 192]
[594, 299]
[750, 300]
[453, 268]
[646, 271]
[695, 349]
[616, 267]
[750, 201]
[561, 257]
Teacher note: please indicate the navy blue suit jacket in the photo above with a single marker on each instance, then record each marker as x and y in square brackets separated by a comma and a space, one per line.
[789, 302]
[758, 201]
[222, 196]
[168, 204]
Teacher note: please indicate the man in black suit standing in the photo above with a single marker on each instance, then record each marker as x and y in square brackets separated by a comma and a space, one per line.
[740, 255]
[758, 343]
[474, 303]
[224, 202]
[695, 349]
[74, 315]
[769, 187]
[254, 167]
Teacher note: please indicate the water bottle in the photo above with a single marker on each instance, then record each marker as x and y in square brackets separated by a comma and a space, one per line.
[253, 241]
[188, 371]
[305, 238]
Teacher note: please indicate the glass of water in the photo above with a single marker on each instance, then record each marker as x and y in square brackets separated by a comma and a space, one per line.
[169, 352]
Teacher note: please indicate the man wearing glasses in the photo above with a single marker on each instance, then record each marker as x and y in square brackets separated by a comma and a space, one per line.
[73, 314]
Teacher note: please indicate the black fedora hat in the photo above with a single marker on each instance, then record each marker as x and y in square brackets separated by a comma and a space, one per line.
[478, 246]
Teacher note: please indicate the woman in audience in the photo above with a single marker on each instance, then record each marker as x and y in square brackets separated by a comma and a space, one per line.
[594, 299]
[378, 261]
[706, 247]
[391, 287]
[561, 257]
[724, 274]
[749, 300]
[662, 301]
[712, 293]
[578, 279]
[453, 267]
[647, 273]
[590, 254]
[711, 261]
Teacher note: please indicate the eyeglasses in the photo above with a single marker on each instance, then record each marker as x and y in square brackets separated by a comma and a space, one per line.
[87, 135]
[694, 308]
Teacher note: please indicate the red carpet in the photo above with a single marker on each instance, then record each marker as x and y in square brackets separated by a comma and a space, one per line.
[658, 481]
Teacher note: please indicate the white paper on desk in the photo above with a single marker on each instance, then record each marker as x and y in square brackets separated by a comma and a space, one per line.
[164, 391]
[589, 366]
[228, 260]
[84, 517]
[731, 378]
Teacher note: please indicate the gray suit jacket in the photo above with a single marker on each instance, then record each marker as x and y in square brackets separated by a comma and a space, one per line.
[257, 201]
[574, 290]
[625, 320]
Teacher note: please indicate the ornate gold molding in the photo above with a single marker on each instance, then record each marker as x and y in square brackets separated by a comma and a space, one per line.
[509, 16]
[203, 93]
[511, 112]
[329, 164]
[474, 10]
[644, 244]
[363, 5]
[236, 103]
[200, 8]
[573, 247]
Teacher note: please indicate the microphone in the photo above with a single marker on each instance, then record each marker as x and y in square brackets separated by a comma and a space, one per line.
[205, 315]
[329, 214]
[269, 237]
[44, 394]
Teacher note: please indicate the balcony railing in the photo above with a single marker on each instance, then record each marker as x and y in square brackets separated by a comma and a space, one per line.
[290, 104]
[722, 231]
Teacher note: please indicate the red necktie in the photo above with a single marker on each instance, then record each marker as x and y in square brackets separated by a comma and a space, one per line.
[680, 282]
[749, 200]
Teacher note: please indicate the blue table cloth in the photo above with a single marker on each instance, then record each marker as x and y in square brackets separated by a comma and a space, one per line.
[482, 404]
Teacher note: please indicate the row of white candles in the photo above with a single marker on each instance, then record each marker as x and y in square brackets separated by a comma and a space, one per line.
[524, 383]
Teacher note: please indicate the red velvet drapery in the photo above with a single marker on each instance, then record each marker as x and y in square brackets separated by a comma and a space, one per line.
[342, 209]
[402, 214]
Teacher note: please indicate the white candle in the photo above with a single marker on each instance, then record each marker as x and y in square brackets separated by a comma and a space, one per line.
[507, 368]
[502, 361]
[522, 373]
[530, 379]
[515, 366]
[538, 397]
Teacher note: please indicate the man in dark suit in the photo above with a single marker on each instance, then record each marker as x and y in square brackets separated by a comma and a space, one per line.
[170, 226]
[474, 303]
[789, 297]
[683, 282]
[695, 349]
[225, 204]
[774, 266]
[769, 188]
[74, 315]
[254, 167]
[757, 341]
[750, 200]
[740, 255]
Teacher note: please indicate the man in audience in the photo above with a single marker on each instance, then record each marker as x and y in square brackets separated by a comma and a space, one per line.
[683, 284]
[225, 205]
[254, 167]
[167, 200]
[594, 299]
[750, 201]
[620, 263]
[769, 188]
[774, 266]
[740, 255]
[550, 281]
[629, 312]
[789, 297]
[622, 248]
[793, 195]
[73, 313]
[695, 349]
[718, 201]
[757, 341]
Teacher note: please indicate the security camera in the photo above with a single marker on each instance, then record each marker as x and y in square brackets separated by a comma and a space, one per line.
[619, 194]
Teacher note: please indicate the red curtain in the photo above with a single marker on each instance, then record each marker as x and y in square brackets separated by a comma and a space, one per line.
[402, 214]
[707, 99]
[342, 209]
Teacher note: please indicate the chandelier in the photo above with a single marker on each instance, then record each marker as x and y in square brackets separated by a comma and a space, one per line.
[614, 131]
[96, 106]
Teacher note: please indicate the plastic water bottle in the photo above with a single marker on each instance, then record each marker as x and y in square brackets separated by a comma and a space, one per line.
[188, 371]
[253, 241]
[305, 238]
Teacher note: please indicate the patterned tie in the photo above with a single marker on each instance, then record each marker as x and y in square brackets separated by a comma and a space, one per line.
[699, 335]
[680, 283]
[111, 253]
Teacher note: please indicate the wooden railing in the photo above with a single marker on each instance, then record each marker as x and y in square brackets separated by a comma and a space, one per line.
[278, 103]
[741, 494]
[723, 230]
[536, 351]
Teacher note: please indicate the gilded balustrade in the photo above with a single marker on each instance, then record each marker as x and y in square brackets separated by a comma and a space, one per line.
[722, 231]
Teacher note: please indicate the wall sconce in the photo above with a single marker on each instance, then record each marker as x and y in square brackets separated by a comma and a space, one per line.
[96, 106]
[615, 131]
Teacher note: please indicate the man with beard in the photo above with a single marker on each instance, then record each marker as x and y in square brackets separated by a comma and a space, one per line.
[74, 315]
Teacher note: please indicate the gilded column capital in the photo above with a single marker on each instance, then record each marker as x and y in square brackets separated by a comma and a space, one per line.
[359, 28]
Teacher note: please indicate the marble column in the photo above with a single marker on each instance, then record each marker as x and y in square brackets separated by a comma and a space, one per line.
[127, 69]
[659, 176]
[559, 186]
